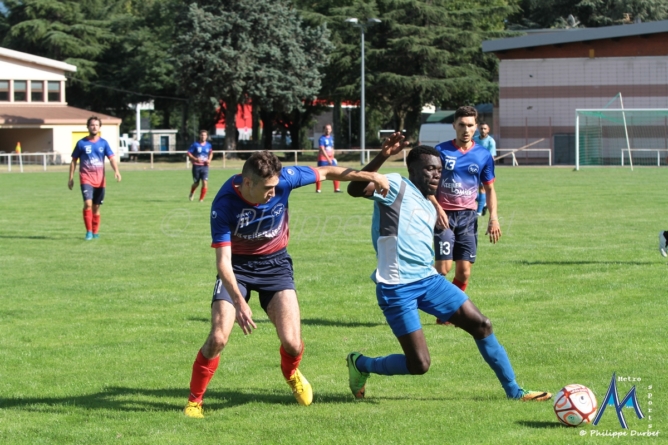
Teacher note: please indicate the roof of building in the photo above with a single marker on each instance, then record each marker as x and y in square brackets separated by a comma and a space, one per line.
[50, 115]
[37, 60]
[575, 35]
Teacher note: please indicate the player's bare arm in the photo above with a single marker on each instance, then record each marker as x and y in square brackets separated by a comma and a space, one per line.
[114, 165]
[73, 166]
[392, 146]
[442, 221]
[493, 228]
[226, 274]
[379, 182]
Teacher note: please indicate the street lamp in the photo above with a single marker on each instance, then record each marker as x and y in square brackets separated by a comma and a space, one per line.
[362, 26]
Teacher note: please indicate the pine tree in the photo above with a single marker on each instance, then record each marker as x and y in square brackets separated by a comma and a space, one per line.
[240, 50]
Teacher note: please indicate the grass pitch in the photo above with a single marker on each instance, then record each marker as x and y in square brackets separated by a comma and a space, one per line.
[97, 338]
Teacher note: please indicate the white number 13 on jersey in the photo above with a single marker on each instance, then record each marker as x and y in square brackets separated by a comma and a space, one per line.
[444, 247]
[450, 164]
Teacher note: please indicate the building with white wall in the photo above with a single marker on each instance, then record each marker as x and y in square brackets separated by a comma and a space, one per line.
[544, 78]
[34, 110]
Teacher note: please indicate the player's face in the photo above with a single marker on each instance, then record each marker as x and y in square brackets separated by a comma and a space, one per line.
[328, 130]
[203, 136]
[94, 128]
[262, 190]
[426, 174]
[484, 130]
[465, 128]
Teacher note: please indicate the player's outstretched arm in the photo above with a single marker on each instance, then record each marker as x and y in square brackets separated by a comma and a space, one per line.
[73, 166]
[226, 274]
[493, 228]
[392, 145]
[376, 181]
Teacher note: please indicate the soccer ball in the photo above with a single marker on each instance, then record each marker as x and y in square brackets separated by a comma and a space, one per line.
[575, 404]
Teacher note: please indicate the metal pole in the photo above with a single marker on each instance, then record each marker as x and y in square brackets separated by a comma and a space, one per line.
[626, 132]
[362, 105]
[9, 162]
[21, 161]
[138, 124]
[577, 141]
[44, 156]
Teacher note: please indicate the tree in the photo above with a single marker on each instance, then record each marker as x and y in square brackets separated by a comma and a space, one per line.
[585, 13]
[238, 50]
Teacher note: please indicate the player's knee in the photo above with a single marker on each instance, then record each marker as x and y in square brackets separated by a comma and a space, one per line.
[419, 365]
[292, 347]
[217, 340]
[485, 327]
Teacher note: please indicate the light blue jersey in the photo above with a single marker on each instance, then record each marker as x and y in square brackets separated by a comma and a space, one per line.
[402, 232]
[488, 143]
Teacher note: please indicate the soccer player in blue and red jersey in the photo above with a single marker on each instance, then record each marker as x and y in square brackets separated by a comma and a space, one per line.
[92, 150]
[402, 231]
[326, 155]
[249, 228]
[200, 154]
[466, 166]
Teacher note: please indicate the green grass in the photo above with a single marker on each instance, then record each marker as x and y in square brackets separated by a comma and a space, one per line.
[97, 338]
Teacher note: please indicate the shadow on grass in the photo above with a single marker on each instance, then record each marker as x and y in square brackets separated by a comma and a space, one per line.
[577, 263]
[537, 424]
[139, 399]
[26, 237]
[311, 322]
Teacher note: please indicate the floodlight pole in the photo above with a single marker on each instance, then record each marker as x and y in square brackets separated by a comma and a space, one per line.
[364, 158]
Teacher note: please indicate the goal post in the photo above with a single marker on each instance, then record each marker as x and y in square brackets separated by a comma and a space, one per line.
[633, 137]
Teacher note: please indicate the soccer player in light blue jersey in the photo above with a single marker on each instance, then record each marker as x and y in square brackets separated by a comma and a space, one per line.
[402, 231]
[488, 143]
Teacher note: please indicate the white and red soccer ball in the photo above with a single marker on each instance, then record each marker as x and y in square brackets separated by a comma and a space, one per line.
[575, 404]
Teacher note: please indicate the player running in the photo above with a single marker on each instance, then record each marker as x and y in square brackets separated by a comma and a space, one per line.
[92, 150]
[249, 227]
[402, 232]
[466, 167]
[200, 154]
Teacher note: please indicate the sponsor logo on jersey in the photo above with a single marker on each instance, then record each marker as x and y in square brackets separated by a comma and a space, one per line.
[278, 210]
[245, 218]
[291, 171]
[473, 169]
[214, 214]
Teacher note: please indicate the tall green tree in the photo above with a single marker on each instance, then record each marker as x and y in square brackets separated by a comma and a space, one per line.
[585, 13]
[241, 50]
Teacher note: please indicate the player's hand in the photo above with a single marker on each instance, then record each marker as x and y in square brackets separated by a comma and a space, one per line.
[245, 316]
[381, 184]
[442, 221]
[493, 230]
[393, 145]
[117, 175]
[70, 184]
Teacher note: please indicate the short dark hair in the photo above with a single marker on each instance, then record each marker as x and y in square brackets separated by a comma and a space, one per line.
[203, 131]
[418, 151]
[466, 111]
[262, 165]
[481, 123]
[93, 118]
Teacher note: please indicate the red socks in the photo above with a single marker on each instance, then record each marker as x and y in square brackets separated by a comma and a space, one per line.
[96, 223]
[193, 188]
[203, 370]
[459, 284]
[337, 185]
[289, 364]
[202, 194]
[88, 220]
[317, 186]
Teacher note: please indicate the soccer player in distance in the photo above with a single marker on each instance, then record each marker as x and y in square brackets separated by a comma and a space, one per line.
[249, 227]
[200, 154]
[488, 143]
[466, 167]
[326, 155]
[92, 150]
[402, 232]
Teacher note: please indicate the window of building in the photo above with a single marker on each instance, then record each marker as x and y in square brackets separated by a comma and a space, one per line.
[54, 91]
[37, 91]
[20, 91]
[4, 90]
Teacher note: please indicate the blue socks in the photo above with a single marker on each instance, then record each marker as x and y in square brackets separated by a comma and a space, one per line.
[394, 364]
[482, 201]
[496, 357]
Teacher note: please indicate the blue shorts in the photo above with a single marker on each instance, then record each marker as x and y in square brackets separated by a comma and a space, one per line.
[264, 274]
[200, 172]
[460, 241]
[96, 194]
[326, 163]
[434, 295]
